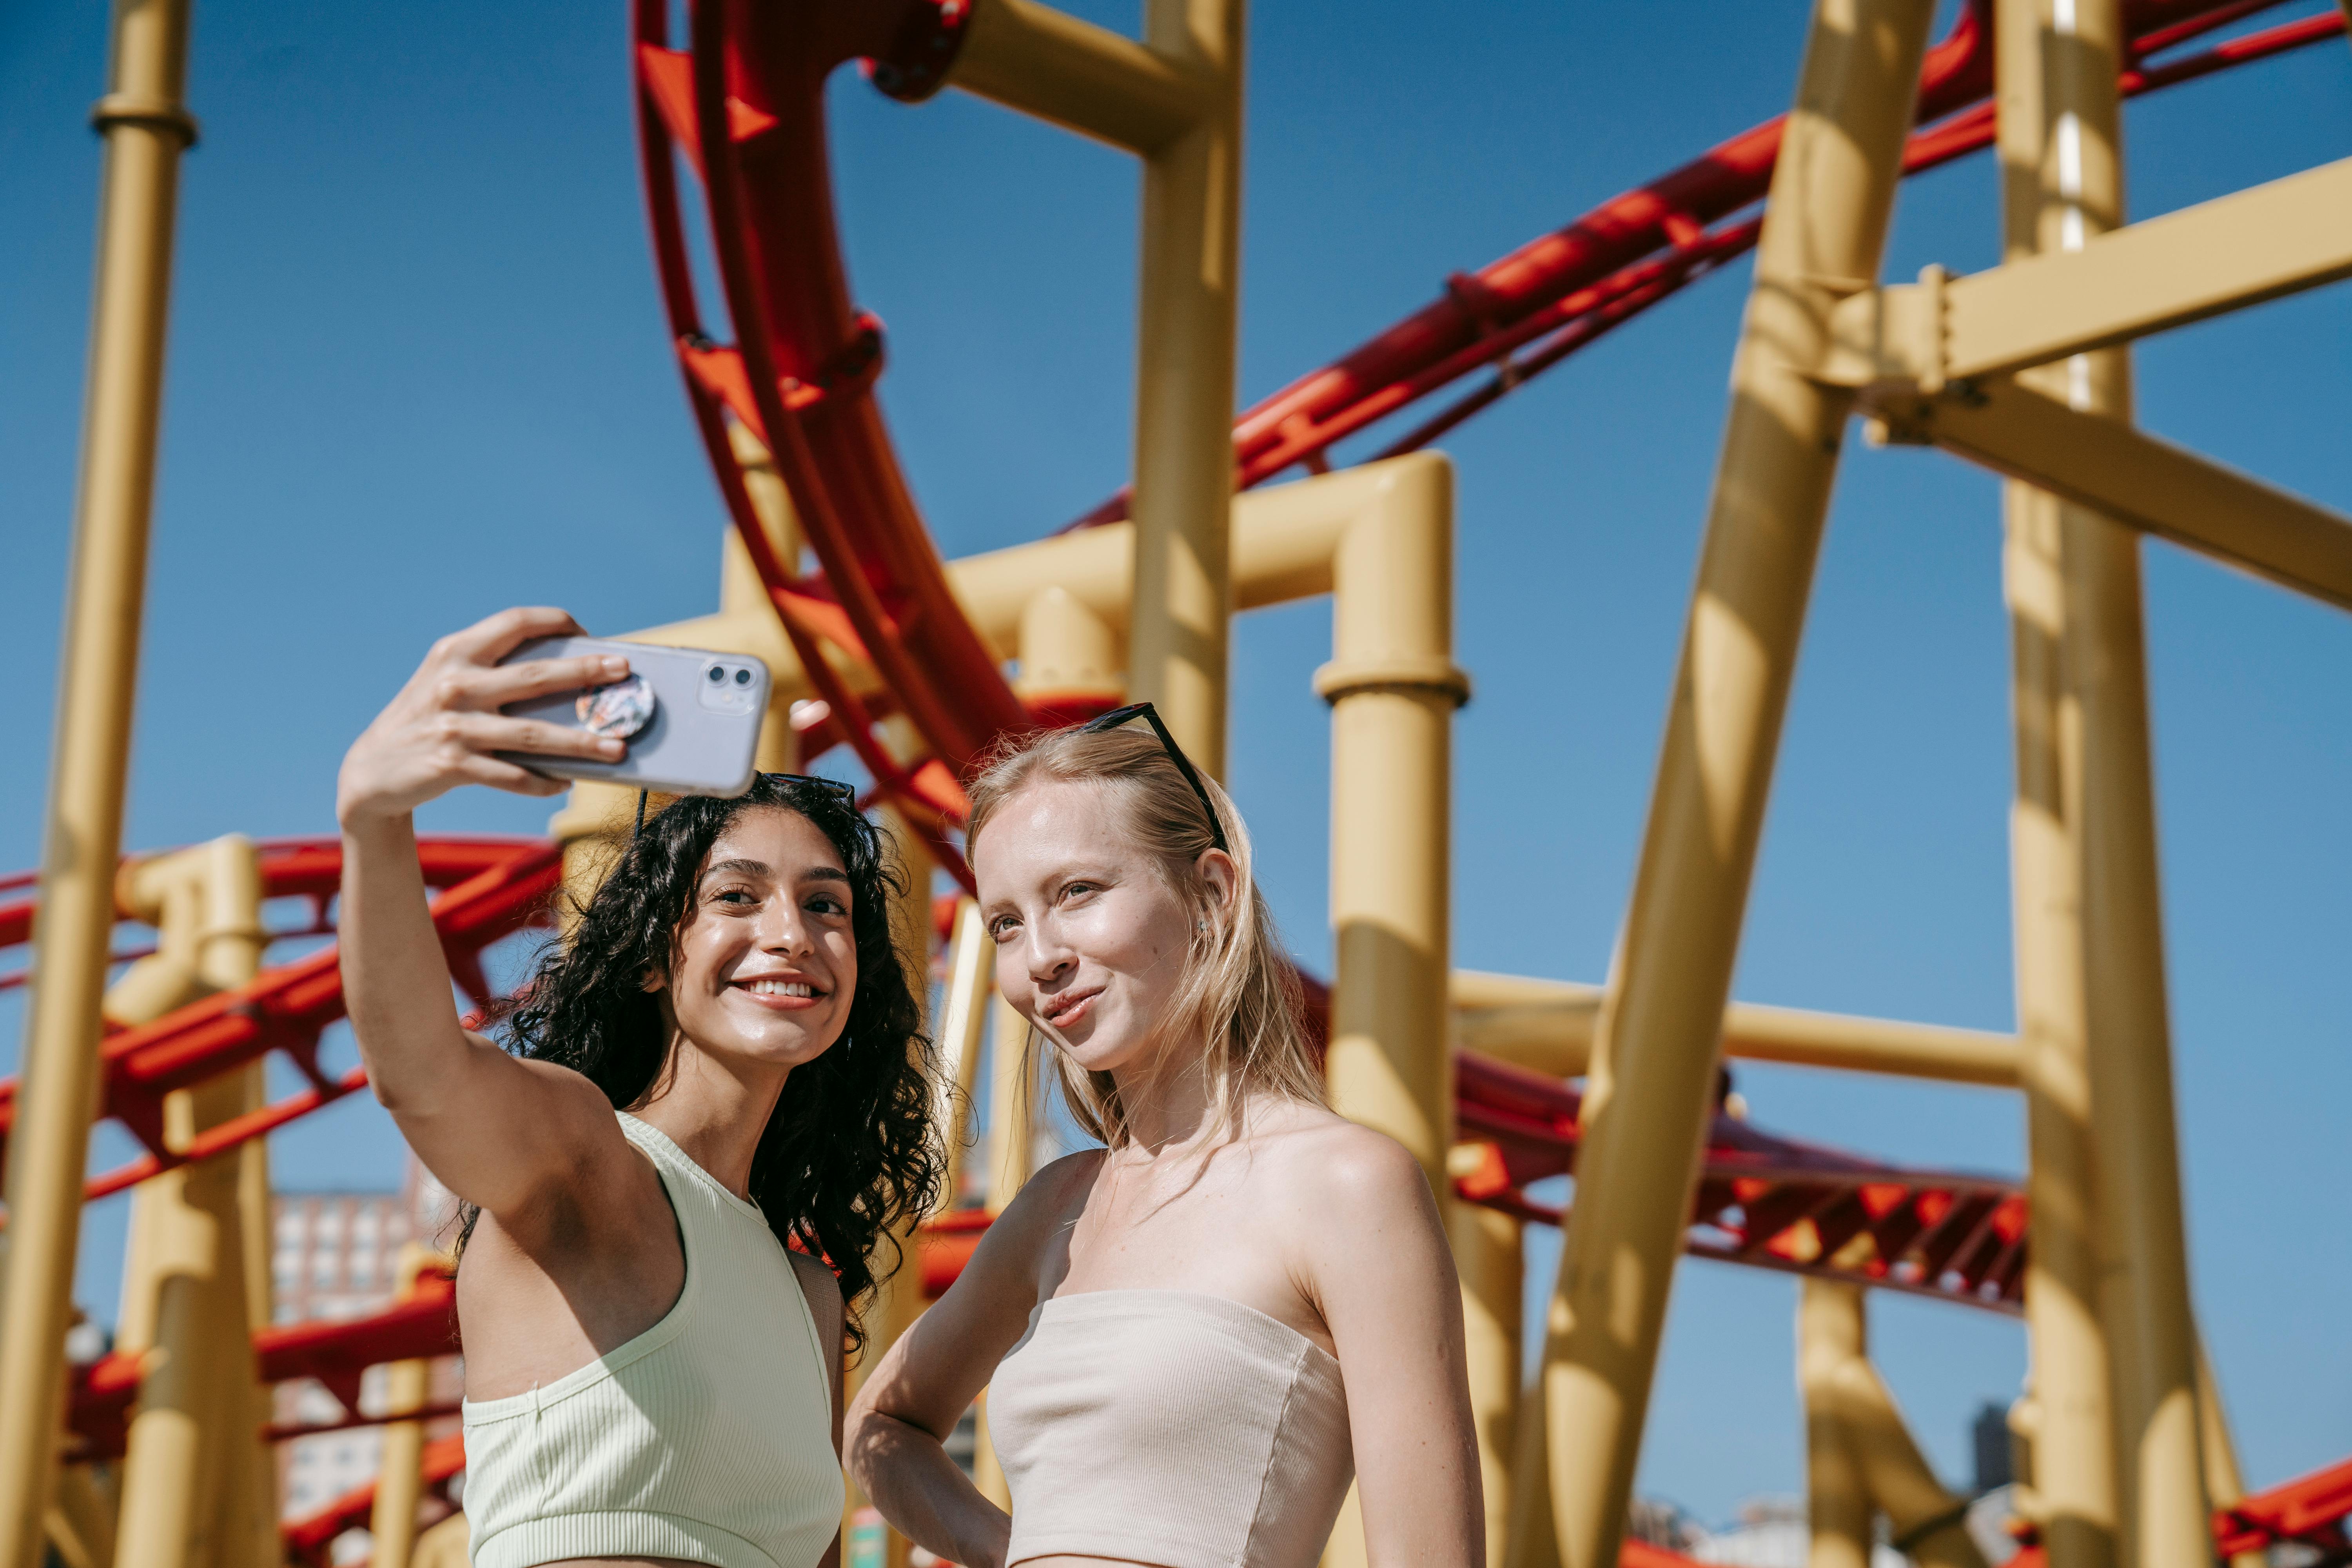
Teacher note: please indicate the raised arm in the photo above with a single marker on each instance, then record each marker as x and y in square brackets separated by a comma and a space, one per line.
[1386, 1284]
[495, 1131]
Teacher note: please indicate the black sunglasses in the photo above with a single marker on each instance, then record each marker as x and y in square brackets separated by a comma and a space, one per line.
[835, 788]
[846, 794]
[1150, 715]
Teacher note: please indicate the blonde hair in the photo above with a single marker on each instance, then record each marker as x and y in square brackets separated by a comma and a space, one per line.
[1239, 993]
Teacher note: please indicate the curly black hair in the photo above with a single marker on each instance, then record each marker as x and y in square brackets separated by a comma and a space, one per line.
[850, 1153]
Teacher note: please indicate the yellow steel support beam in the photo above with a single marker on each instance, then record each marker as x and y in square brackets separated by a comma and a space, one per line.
[2133, 479]
[2187, 266]
[963, 1018]
[1281, 552]
[1013, 1094]
[198, 1490]
[2225, 1486]
[400, 1472]
[1392, 686]
[1068, 652]
[1838, 1506]
[2066, 139]
[146, 130]
[1010, 1153]
[1549, 1024]
[1652, 1078]
[742, 594]
[81, 1525]
[900, 1300]
[1386, 533]
[2060, 188]
[1486, 1252]
[1080, 77]
[1178, 635]
[1848, 1408]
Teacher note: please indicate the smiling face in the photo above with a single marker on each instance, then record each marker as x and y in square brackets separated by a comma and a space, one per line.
[1091, 938]
[765, 962]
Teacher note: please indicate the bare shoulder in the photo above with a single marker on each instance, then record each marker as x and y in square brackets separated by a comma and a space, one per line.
[577, 1183]
[1051, 1198]
[1011, 1249]
[571, 1108]
[1345, 1170]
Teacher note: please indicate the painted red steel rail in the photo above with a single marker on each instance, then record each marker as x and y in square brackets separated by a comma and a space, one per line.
[1765, 1201]
[490, 888]
[2310, 1512]
[741, 106]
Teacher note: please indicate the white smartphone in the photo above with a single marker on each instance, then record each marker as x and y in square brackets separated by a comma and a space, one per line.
[691, 718]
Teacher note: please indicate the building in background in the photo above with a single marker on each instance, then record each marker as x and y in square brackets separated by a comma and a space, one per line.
[337, 1254]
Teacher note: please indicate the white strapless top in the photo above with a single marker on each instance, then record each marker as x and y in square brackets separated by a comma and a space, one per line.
[1170, 1427]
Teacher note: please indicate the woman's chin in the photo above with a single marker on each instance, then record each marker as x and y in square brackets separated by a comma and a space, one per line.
[773, 1047]
[1100, 1050]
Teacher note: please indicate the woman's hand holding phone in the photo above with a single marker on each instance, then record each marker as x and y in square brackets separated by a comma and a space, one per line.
[444, 725]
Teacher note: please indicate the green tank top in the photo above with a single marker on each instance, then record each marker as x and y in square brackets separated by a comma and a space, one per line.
[708, 1438]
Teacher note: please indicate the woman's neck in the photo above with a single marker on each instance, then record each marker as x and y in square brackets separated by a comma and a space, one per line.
[714, 1110]
[1168, 1106]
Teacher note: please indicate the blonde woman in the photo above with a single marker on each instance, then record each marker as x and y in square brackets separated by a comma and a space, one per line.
[1194, 1336]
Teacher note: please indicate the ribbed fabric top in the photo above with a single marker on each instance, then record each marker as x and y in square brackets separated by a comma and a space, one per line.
[1171, 1427]
[709, 1437]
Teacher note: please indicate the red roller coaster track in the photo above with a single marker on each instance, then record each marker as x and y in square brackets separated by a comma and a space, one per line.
[743, 108]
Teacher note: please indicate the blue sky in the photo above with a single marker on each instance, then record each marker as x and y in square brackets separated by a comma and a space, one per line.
[417, 373]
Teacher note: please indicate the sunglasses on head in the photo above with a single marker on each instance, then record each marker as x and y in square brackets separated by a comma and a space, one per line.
[1150, 715]
[846, 794]
[835, 788]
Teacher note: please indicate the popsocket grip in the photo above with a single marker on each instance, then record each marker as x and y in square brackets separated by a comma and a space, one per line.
[619, 710]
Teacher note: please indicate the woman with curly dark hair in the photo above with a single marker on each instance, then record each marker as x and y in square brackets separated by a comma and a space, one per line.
[717, 1080]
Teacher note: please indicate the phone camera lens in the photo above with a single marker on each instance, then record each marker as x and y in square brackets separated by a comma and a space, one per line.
[717, 673]
[743, 678]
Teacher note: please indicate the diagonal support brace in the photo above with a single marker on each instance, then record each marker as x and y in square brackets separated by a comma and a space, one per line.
[2150, 277]
[2131, 477]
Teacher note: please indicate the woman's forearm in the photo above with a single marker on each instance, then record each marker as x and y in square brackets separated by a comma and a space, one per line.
[396, 977]
[906, 1473]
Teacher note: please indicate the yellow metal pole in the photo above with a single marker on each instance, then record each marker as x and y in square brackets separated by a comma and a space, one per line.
[963, 1015]
[1837, 1505]
[400, 1473]
[740, 591]
[1394, 687]
[2224, 1484]
[1013, 1098]
[1531, 1541]
[81, 1520]
[1549, 1025]
[1067, 651]
[2070, 1490]
[1843, 1387]
[1653, 1076]
[1011, 1151]
[1486, 1254]
[198, 1490]
[900, 1300]
[1185, 388]
[2062, 149]
[146, 130]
